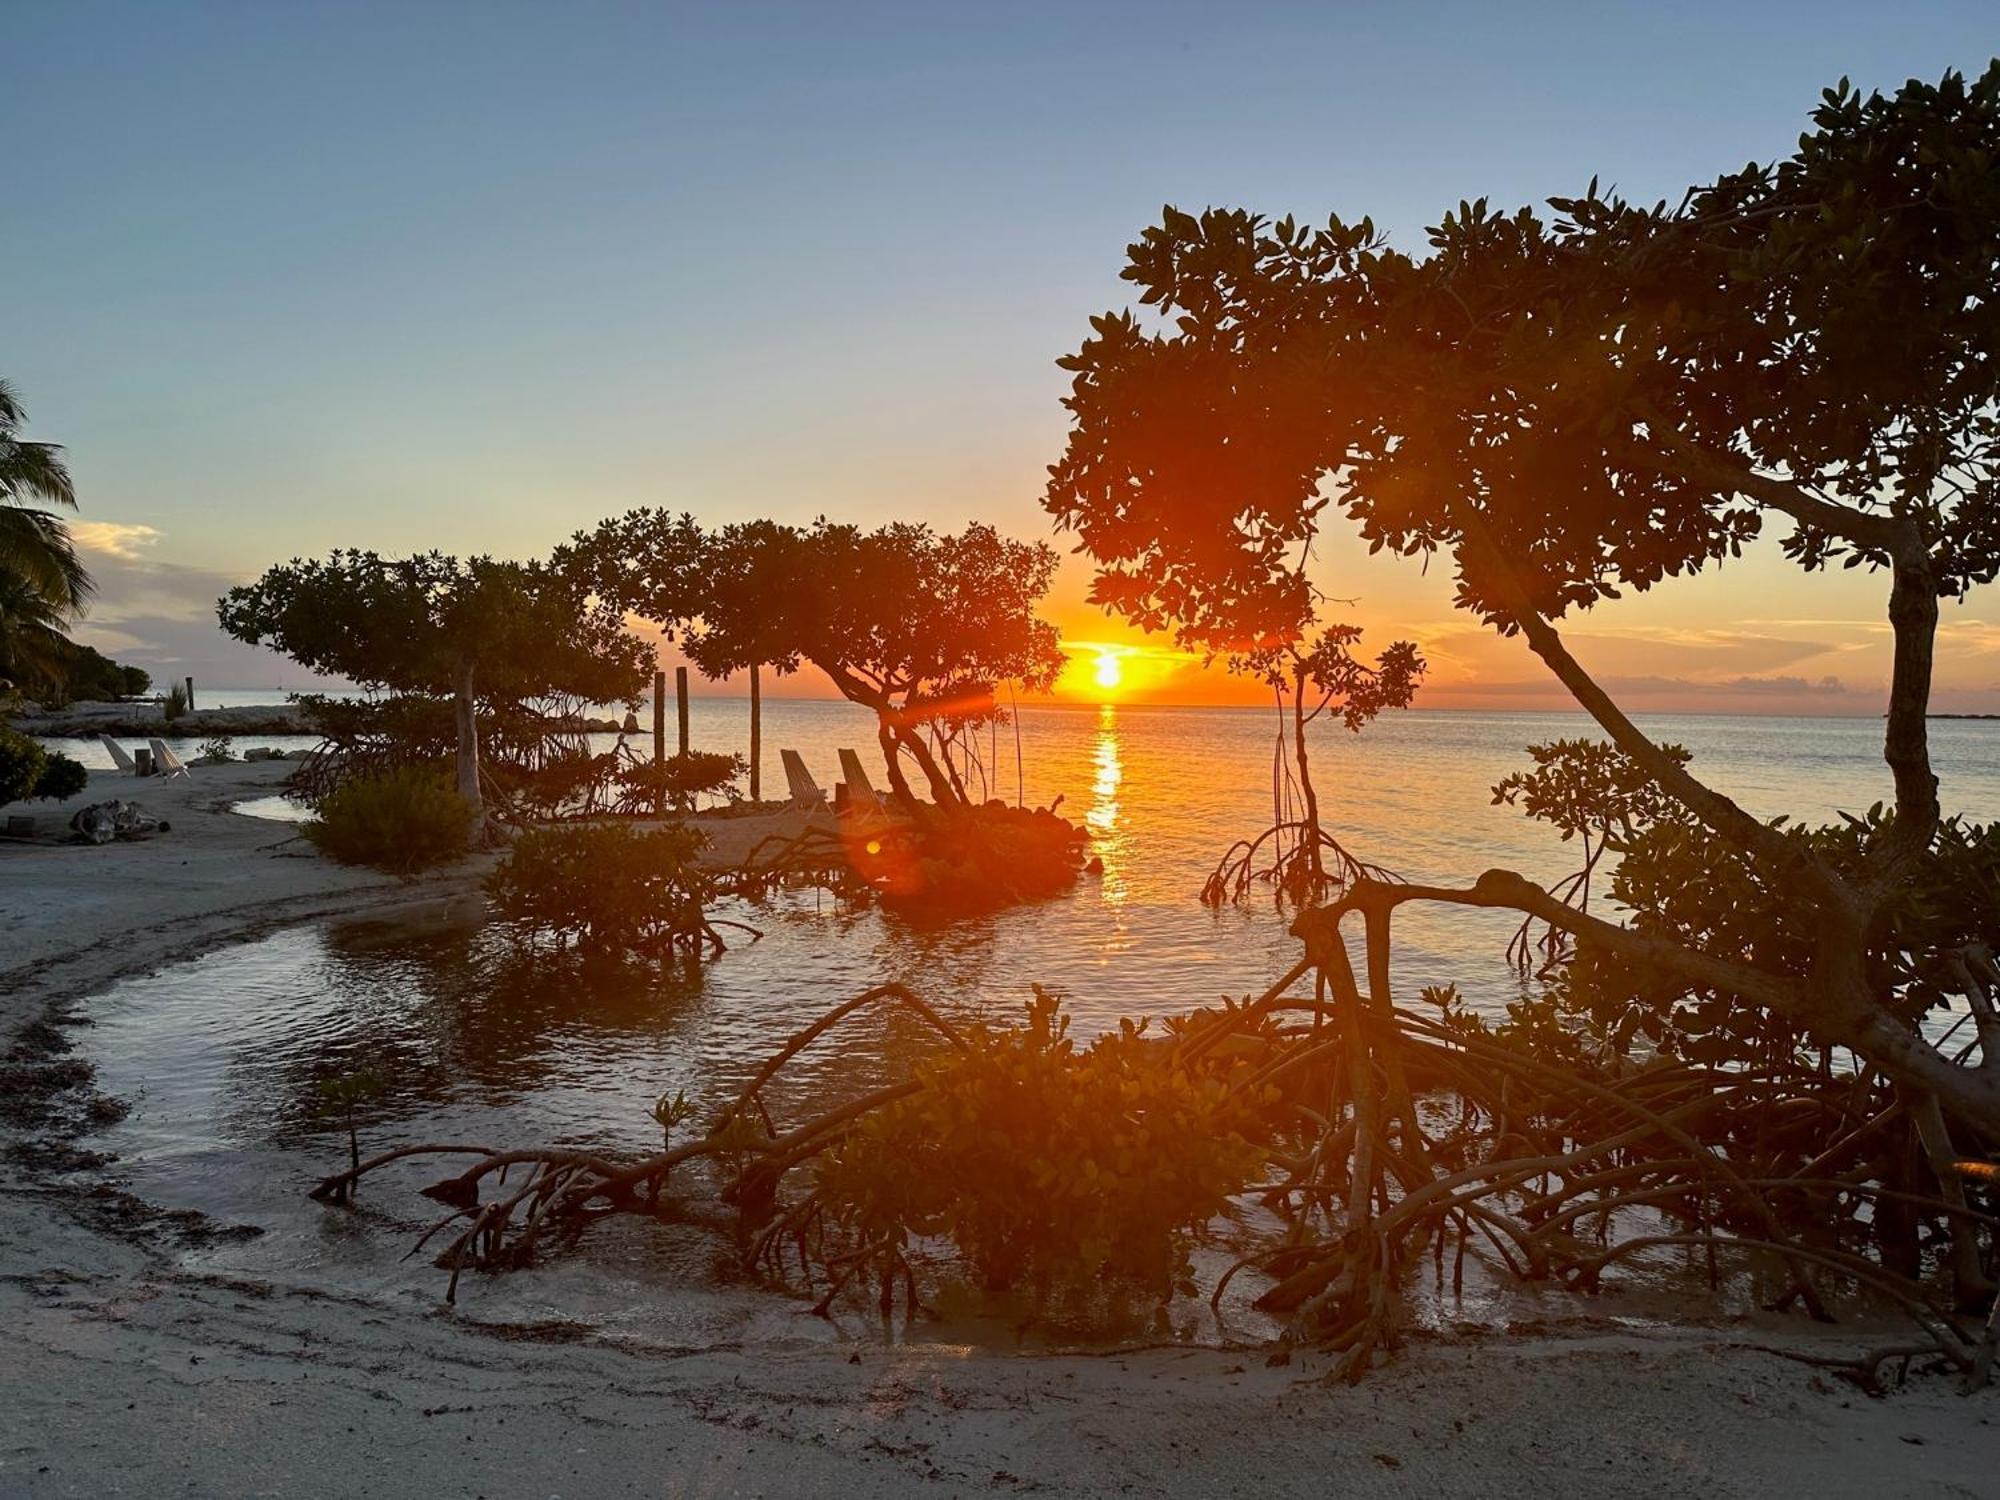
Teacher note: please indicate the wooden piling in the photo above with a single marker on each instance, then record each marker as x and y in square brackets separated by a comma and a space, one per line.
[659, 717]
[659, 737]
[756, 734]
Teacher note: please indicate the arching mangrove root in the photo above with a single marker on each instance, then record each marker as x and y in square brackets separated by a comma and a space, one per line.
[1382, 1138]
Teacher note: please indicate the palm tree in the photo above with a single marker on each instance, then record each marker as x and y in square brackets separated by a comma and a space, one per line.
[35, 546]
[34, 652]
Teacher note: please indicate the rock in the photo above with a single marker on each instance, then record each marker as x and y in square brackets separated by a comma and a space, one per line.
[101, 822]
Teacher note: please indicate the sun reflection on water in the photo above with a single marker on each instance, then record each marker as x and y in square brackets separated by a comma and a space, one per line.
[1108, 837]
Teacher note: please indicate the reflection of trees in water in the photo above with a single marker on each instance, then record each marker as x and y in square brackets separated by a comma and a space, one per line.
[442, 1013]
[456, 1019]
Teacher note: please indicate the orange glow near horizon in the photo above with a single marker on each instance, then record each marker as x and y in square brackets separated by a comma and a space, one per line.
[1112, 672]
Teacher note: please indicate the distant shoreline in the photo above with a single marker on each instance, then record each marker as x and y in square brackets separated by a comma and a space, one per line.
[1069, 705]
[87, 720]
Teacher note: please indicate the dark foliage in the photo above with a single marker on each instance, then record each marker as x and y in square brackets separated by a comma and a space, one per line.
[405, 819]
[608, 887]
[919, 626]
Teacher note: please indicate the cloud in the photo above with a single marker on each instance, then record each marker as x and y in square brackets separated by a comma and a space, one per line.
[161, 616]
[1672, 651]
[1654, 686]
[120, 539]
[1828, 686]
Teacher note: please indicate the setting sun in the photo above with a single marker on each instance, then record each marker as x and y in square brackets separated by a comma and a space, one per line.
[1108, 674]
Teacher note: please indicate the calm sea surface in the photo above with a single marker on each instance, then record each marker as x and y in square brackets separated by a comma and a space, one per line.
[221, 1055]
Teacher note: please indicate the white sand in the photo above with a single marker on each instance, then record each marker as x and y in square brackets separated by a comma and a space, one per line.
[122, 1373]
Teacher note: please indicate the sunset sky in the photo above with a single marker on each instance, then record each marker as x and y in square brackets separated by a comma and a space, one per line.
[291, 277]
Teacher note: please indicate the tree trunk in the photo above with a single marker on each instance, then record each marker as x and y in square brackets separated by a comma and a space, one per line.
[756, 736]
[951, 771]
[468, 750]
[941, 792]
[1306, 783]
[885, 735]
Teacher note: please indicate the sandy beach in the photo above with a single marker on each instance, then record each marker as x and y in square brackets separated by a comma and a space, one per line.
[128, 1372]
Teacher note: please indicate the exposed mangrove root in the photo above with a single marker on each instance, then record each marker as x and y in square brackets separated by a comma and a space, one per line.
[1385, 1139]
[1301, 862]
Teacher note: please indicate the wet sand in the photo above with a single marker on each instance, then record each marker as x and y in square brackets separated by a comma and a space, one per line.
[126, 1371]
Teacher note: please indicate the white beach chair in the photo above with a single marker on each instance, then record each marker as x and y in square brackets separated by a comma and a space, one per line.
[806, 794]
[120, 756]
[861, 797]
[168, 763]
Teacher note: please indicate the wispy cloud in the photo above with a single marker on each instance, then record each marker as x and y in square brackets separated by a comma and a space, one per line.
[121, 539]
[161, 615]
[1681, 687]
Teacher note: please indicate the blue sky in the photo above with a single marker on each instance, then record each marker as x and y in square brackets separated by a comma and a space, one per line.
[285, 277]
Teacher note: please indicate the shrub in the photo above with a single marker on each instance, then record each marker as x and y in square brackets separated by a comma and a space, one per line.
[218, 750]
[561, 785]
[61, 778]
[967, 859]
[176, 704]
[403, 821]
[21, 764]
[607, 886]
[1043, 1163]
[679, 780]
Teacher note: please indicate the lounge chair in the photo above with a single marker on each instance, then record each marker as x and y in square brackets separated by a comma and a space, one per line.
[806, 794]
[165, 761]
[861, 796]
[120, 756]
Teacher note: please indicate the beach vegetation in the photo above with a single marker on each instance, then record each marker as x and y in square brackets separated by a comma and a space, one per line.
[405, 820]
[30, 771]
[342, 1095]
[489, 639]
[22, 762]
[36, 548]
[1044, 1164]
[1580, 405]
[919, 626]
[678, 783]
[608, 888]
[62, 777]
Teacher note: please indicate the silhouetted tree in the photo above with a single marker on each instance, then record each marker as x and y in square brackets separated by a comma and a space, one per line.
[442, 627]
[35, 546]
[1578, 408]
[915, 624]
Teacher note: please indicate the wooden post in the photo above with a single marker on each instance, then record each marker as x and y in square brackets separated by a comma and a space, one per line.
[681, 703]
[659, 733]
[756, 734]
[190, 694]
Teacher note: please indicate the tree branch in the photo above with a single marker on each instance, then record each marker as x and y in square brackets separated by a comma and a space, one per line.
[1729, 821]
[1913, 615]
[1727, 474]
[1866, 1029]
[1511, 891]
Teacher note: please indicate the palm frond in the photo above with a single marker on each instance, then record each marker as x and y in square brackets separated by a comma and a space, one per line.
[37, 548]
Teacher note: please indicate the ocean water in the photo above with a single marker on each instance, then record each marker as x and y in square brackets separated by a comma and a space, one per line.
[473, 1041]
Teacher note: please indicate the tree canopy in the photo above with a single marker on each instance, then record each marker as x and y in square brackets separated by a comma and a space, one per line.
[919, 625]
[35, 545]
[1581, 405]
[421, 624]
[435, 625]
